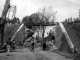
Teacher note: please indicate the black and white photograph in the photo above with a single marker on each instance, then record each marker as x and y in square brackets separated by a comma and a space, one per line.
[39, 29]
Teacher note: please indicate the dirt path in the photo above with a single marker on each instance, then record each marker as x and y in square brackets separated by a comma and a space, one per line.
[25, 54]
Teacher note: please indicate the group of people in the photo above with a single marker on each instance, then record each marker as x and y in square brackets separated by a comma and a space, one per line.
[11, 45]
[33, 44]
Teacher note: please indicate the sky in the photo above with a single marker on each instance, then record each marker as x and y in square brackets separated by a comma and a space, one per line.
[64, 8]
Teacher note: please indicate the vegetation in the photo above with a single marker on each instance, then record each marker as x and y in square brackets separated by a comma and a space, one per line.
[45, 14]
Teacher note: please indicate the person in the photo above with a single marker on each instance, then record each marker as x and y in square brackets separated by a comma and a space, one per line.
[8, 46]
[53, 39]
[32, 46]
[44, 46]
[13, 44]
[75, 50]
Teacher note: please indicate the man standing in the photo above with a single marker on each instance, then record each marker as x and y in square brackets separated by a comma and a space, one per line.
[32, 46]
[13, 44]
[44, 46]
[8, 46]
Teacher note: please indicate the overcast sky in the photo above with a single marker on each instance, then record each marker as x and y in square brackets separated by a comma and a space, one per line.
[64, 8]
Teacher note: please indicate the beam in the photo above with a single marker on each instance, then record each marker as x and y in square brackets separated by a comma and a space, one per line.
[39, 24]
[67, 36]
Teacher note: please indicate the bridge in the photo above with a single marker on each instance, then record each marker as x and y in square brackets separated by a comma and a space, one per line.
[67, 40]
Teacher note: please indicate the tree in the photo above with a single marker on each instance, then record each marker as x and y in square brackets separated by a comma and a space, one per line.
[47, 14]
[28, 20]
[14, 20]
[25, 19]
